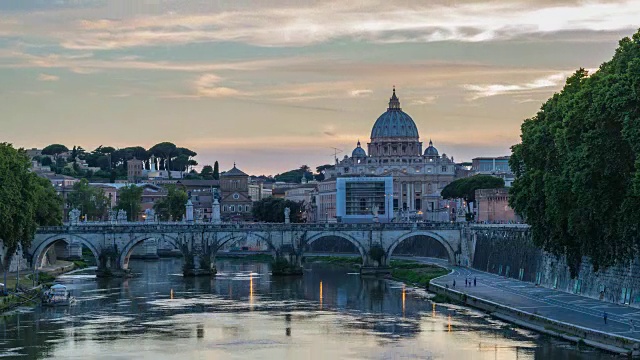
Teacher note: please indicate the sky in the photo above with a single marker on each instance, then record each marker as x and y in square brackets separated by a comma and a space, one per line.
[272, 85]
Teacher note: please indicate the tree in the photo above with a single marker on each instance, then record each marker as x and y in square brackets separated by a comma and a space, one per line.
[48, 209]
[26, 201]
[465, 188]
[129, 200]
[320, 171]
[272, 210]
[207, 172]
[90, 200]
[216, 171]
[173, 206]
[577, 168]
[164, 151]
[295, 176]
[55, 150]
[46, 161]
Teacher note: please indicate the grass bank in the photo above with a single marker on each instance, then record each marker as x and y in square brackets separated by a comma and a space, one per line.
[336, 260]
[415, 273]
[250, 257]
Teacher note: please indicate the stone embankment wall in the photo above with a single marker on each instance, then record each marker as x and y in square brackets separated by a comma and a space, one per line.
[18, 259]
[519, 258]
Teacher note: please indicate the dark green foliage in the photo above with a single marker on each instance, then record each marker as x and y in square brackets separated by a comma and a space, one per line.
[216, 171]
[90, 200]
[577, 168]
[26, 201]
[173, 207]
[207, 172]
[46, 161]
[48, 204]
[295, 176]
[129, 199]
[465, 188]
[54, 150]
[420, 275]
[272, 210]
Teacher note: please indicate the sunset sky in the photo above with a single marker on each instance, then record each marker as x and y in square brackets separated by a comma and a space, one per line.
[273, 85]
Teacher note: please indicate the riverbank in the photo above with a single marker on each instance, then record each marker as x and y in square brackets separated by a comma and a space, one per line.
[408, 271]
[30, 287]
[568, 316]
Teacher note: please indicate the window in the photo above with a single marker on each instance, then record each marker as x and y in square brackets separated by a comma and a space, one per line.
[444, 169]
[224, 208]
[247, 208]
[236, 196]
[232, 208]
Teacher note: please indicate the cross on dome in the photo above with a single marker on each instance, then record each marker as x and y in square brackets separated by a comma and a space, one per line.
[394, 102]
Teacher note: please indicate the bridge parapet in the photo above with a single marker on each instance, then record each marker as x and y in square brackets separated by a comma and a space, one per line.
[101, 227]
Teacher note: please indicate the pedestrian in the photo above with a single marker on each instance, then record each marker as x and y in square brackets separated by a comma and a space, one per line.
[474, 281]
[454, 283]
[633, 326]
[465, 282]
[605, 317]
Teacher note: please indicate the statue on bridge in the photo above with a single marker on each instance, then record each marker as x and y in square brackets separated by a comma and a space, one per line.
[113, 215]
[287, 213]
[374, 210]
[122, 216]
[150, 216]
[215, 216]
[74, 216]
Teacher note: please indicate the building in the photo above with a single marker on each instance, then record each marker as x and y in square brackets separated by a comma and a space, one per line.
[135, 169]
[492, 206]
[358, 199]
[202, 193]
[236, 205]
[325, 202]
[496, 166]
[395, 150]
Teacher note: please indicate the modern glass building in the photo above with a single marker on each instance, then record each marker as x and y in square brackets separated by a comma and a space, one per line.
[358, 197]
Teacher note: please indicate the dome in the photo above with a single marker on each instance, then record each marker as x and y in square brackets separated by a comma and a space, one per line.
[358, 151]
[394, 123]
[431, 151]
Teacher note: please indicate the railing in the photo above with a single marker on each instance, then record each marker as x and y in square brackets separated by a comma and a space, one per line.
[181, 226]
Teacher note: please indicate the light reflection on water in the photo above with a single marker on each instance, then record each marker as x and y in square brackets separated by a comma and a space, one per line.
[245, 313]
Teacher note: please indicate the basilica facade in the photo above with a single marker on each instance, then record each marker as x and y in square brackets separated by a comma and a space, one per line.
[395, 150]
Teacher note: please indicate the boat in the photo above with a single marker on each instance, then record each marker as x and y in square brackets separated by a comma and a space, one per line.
[57, 295]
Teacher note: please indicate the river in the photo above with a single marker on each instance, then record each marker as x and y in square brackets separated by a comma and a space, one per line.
[244, 313]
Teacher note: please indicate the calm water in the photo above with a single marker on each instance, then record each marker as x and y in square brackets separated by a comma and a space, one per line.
[244, 313]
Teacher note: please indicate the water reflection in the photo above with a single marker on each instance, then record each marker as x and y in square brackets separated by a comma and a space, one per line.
[239, 314]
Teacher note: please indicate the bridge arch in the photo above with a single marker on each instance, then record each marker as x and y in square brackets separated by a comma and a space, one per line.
[41, 249]
[429, 234]
[125, 254]
[349, 238]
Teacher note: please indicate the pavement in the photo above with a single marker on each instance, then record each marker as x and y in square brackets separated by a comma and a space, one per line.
[554, 304]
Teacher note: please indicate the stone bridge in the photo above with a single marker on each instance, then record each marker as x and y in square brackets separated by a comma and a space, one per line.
[113, 244]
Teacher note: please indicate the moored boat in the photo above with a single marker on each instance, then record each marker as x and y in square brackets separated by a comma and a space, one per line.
[57, 295]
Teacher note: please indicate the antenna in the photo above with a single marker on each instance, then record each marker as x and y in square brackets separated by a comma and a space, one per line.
[336, 151]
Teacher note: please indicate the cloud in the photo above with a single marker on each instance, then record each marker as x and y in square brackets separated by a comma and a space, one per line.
[360, 93]
[207, 85]
[488, 90]
[274, 25]
[47, 77]
[425, 100]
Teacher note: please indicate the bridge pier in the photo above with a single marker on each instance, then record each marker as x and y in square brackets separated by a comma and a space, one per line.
[197, 257]
[109, 264]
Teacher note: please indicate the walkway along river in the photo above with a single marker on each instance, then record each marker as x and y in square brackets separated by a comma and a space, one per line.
[245, 313]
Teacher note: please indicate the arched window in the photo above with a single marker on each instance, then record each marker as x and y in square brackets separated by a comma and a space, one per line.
[224, 208]
[247, 208]
[232, 208]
